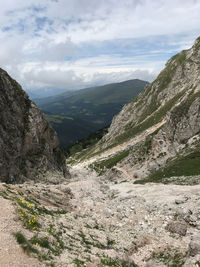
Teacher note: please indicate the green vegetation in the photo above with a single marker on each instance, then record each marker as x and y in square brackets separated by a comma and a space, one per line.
[107, 261]
[180, 58]
[24, 243]
[166, 76]
[155, 118]
[182, 109]
[100, 166]
[171, 258]
[42, 241]
[48, 240]
[29, 212]
[77, 114]
[78, 263]
[91, 140]
[20, 238]
[183, 165]
[162, 81]
[91, 243]
[197, 44]
[56, 118]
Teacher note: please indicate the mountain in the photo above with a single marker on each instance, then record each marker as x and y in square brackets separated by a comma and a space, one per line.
[29, 146]
[157, 135]
[75, 115]
[44, 92]
[104, 215]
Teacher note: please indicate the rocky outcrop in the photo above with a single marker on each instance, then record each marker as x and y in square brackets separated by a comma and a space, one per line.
[194, 246]
[29, 147]
[173, 98]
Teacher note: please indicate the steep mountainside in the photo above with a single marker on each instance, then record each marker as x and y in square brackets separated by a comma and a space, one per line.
[29, 146]
[161, 125]
[75, 115]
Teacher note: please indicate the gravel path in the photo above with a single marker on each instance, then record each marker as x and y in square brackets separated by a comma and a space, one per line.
[11, 255]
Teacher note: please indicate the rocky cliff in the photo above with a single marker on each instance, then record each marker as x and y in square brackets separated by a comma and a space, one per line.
[159, 130]
[29, 147]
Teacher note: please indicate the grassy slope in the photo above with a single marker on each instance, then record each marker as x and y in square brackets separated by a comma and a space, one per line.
[183, 165]
[100, 95]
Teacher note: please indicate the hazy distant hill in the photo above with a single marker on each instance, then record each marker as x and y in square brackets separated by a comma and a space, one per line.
[35, 94]
[74, 115]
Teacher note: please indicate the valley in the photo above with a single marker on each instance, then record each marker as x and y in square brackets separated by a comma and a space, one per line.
[100, 133]
[76, 115]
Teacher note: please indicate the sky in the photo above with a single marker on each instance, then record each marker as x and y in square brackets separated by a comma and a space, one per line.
[72, 44]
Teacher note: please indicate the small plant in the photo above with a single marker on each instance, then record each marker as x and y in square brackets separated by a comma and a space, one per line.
[78, 263]
[108, 261]
[170, 257]
[24, 243]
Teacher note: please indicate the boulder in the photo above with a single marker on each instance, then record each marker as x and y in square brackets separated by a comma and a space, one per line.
[177, 227]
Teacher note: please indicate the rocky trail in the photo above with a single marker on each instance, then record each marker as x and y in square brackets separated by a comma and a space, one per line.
[105, 223]
[10, 252]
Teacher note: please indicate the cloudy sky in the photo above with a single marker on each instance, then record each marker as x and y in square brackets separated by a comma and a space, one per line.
[73, 44]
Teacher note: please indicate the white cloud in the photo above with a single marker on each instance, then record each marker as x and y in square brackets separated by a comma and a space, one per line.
[36, 37]
[84, 72]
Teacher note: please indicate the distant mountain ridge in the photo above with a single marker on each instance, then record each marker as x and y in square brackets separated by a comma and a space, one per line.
[75, 115]
[44, 92]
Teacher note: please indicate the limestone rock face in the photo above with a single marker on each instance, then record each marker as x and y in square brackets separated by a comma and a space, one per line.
[29, 147]
[172, 101]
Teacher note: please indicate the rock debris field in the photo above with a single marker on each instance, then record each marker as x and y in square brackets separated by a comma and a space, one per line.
[91, 221]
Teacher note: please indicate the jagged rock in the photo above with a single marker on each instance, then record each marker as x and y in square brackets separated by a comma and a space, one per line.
[194, 246]
[182, 200]
[178, 227]
[29, 147]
